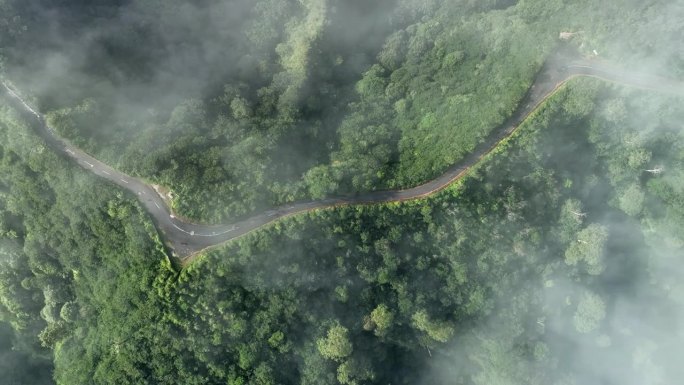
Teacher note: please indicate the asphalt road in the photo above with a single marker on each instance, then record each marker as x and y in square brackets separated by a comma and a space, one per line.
[187, 239]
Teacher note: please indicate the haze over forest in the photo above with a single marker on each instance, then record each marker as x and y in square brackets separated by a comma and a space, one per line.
[558, 259]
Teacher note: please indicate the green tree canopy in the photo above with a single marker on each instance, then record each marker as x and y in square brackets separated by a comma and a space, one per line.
[632, 199]
[439, 331]
[336, 344]
[591, 310]
[589, 248]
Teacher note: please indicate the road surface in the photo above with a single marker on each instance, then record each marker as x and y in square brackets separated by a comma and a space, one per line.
[187, 239]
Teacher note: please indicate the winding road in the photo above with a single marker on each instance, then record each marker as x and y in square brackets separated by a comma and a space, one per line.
[187, 239]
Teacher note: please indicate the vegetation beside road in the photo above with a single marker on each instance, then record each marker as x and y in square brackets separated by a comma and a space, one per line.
[538, 262]
[295, 104]
[381, 293]
[76, 254]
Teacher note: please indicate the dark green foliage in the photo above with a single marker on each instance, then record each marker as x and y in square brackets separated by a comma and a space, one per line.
[391, 293]
[76, 255]
[238, 106]
[534, 264]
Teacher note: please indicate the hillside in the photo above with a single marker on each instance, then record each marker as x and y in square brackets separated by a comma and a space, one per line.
[557, 259]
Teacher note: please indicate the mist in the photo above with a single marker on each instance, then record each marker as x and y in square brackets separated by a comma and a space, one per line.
[614, 316]
[557, 260]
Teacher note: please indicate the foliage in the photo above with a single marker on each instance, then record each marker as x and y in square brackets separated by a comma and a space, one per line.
[239, 106]
[547, 250]
[589, 248]
[335, 345]
[354, 294]
[590, 312]
[69, 266]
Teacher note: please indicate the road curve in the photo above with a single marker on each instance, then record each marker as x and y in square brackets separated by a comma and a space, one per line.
[187, 239]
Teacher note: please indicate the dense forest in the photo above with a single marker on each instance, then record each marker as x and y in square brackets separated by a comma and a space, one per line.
[239, 105]
[557, 260]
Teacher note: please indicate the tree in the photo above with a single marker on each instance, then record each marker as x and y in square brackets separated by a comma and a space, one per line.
[320, 181]
[263, 375]
[638, 157]
[240, 108]
[614, 110]
[354, 372]
[591, 310]
[53, 333]
[632, 199]
[373, 83]
[453, 59]
[589, 248]
[571, 217]
[69, 311]
[382, 318]
[439, 331]
[393, 52]
[579, 102]
[336, 345]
